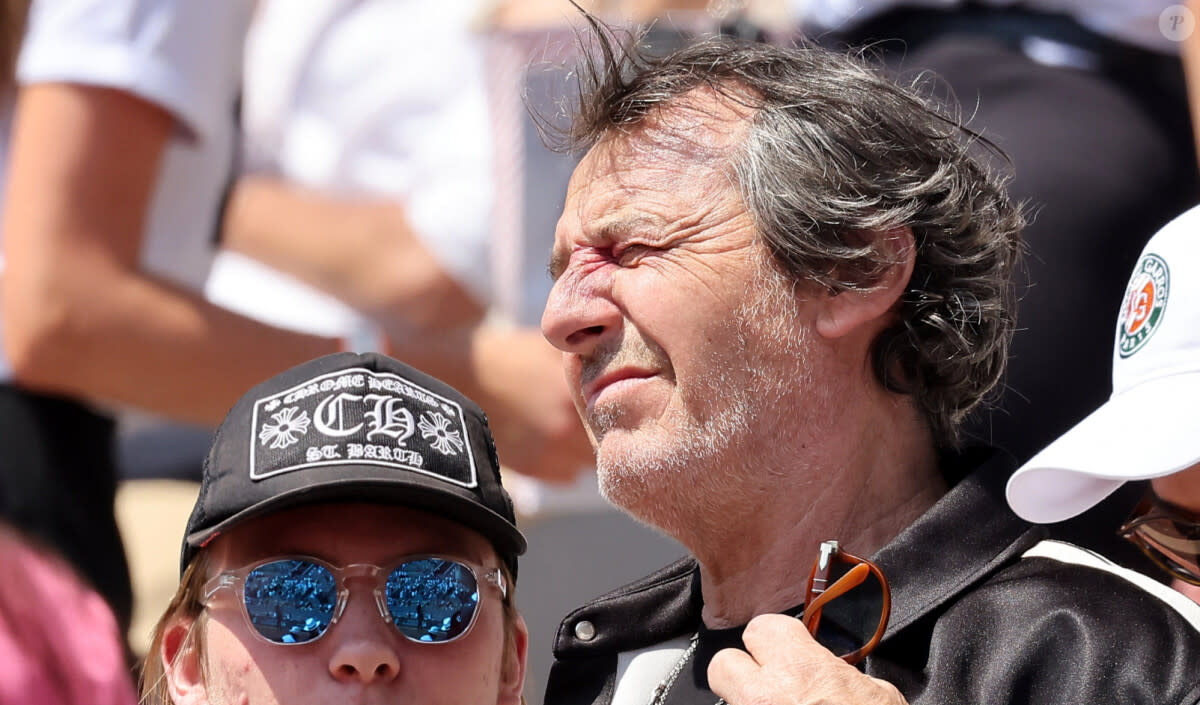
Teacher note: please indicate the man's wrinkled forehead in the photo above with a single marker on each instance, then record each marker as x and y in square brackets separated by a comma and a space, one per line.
[701, 125]
[668, 150]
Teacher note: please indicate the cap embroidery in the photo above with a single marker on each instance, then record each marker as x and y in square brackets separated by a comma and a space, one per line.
[367, 417]
[1145, 301]
[437, 431]
[281, 433]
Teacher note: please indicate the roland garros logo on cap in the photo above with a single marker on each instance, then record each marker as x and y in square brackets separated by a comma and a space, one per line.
[361, 417]
[1144, 304]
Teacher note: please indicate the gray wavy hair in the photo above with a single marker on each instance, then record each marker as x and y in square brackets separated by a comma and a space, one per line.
[837, 153]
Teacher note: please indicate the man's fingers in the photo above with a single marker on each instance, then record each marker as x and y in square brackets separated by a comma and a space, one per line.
[889, 693]
[778, 637]
[730, 673]
[784, 665]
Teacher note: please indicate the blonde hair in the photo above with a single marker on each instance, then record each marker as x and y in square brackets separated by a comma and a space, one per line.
[188, 603]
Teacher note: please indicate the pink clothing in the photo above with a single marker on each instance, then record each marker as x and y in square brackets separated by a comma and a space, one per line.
[59, 643]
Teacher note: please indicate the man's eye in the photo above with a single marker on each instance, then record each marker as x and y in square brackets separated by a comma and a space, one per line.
[629, 255]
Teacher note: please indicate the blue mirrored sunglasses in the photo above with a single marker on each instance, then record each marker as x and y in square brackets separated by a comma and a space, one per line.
[295, 600]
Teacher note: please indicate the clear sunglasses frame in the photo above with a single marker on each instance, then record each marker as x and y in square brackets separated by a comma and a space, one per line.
[376, 575]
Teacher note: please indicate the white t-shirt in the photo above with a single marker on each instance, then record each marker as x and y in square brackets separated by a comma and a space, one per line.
[1132, 21]
[382, 98]
[184, 56]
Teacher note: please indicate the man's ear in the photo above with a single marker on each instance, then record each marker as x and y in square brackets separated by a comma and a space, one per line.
[512, 671]
[847, 311]
[181, 663]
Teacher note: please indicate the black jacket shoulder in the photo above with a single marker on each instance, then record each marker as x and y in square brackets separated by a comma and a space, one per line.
[1045, 631]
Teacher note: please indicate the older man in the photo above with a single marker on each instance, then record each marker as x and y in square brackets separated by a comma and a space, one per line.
[351, 544]
[781, 282]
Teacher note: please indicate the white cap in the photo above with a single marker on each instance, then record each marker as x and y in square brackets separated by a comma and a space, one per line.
[1150, 426]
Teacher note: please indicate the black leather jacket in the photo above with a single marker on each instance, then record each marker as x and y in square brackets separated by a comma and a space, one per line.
[972, 621]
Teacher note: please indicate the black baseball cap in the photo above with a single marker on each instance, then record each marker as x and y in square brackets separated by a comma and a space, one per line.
[354, 427]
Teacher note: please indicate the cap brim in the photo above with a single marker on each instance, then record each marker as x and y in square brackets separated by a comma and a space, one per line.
[1145, 432]
[412, 492]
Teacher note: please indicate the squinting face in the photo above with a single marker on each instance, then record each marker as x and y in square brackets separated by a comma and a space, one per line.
[362, 658]
[684, 351]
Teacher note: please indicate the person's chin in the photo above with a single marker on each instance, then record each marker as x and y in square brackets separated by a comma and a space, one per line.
[630, 464]
[614, 443]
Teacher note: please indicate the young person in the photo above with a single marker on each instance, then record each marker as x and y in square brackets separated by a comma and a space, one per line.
[351, 543]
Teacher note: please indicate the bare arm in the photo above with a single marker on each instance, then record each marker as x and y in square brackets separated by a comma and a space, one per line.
[79, 316]
[363, 252]
[518, 379]
[360, 250]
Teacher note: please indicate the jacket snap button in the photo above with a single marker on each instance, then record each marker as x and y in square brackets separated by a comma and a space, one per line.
[585, 630]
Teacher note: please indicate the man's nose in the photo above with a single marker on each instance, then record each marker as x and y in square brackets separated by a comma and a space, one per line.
[365, 645]
[580, 313]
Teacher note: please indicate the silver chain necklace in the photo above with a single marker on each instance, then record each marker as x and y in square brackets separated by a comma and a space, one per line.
[659, 696]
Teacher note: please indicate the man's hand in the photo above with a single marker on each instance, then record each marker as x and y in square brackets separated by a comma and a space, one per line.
[786, 666]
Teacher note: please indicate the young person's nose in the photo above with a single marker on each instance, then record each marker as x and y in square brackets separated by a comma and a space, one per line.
[365, 646]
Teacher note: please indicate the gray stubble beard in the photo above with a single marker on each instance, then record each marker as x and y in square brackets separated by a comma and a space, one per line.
[702, 469]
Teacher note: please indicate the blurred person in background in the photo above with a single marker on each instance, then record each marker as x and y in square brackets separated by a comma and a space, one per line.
[373, 563]
[368, 180]
[59, 639]
[118, 157]
[59, 642]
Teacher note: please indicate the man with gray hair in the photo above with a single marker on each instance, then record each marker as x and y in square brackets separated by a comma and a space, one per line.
[781, 283]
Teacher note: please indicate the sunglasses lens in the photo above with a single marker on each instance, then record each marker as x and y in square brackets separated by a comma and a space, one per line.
[1175, 546]
[851, 620]
[290, 601]
[431, 599]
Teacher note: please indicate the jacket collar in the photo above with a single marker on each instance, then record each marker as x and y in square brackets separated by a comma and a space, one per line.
[968, 534]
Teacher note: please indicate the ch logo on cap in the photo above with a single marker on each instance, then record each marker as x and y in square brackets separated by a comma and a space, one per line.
[361, 417]
[1144, 304]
